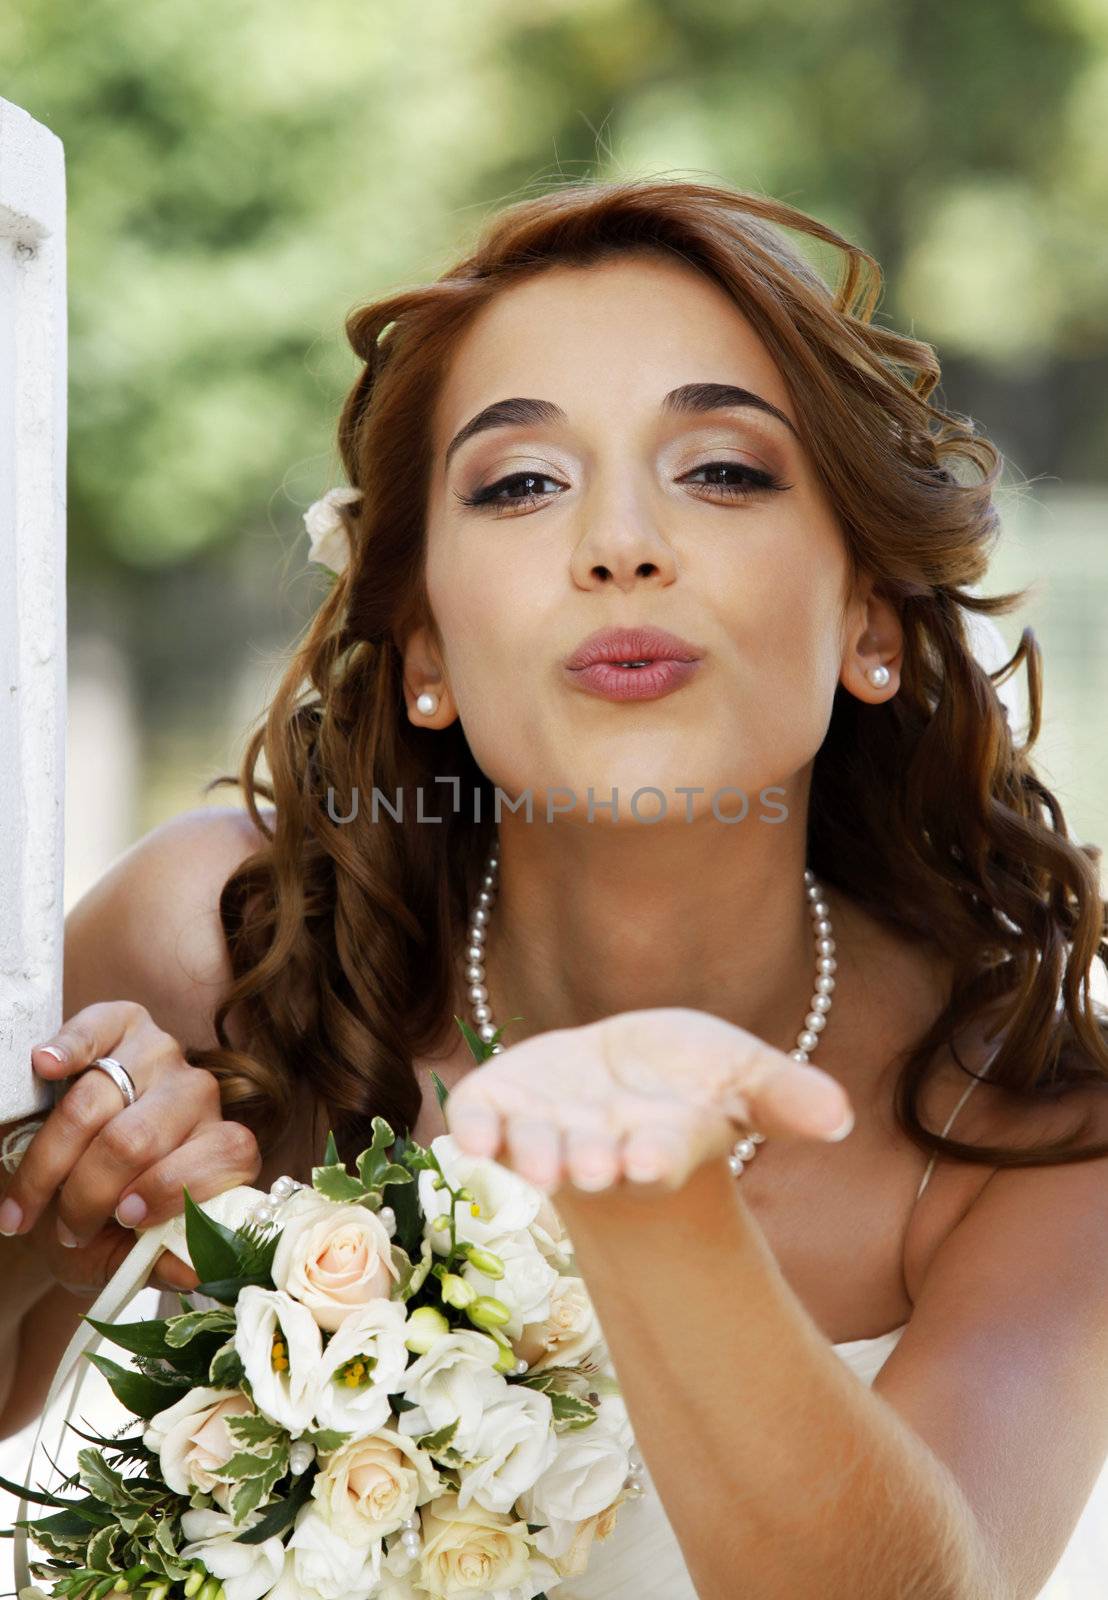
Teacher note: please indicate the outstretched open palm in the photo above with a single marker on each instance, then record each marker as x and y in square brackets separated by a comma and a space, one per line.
[643, 1095]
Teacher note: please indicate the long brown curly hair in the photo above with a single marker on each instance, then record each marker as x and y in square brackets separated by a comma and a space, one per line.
[343, 939]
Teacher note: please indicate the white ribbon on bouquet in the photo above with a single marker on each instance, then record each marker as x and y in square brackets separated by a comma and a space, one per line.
[231, 1208]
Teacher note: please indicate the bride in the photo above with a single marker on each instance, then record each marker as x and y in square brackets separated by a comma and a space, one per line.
[688, 779]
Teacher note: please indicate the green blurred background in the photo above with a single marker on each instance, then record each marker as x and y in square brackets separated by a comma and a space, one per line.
[240, 177]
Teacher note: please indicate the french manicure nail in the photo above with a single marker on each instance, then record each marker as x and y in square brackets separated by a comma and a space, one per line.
[130, 1212]
[70, 1240]
[52, 1050]
[11, 1216]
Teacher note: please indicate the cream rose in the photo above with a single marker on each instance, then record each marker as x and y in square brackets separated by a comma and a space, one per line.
[332, 1258]
[368, 1487]
[568, 1335]
[515, 1445]
[575, 1558]
[192, 1440]
[549, 1232]
[453, 1382]
[470, 1550]
[587, 1473]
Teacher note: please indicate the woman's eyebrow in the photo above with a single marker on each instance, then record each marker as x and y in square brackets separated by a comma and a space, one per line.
[690, 398]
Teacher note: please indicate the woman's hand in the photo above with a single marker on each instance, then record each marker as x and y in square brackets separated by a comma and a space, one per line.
[94, 1156]
[644, 1095]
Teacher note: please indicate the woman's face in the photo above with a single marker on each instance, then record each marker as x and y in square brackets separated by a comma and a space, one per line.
[621, 509]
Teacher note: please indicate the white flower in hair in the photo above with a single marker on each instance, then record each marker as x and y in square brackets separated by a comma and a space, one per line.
[327, 531]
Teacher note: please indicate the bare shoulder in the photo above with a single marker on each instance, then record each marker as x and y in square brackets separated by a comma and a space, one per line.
[1008, 1335]
[149, 928]
[989, 1115]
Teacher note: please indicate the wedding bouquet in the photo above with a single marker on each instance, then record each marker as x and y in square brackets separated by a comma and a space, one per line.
[398, 1389]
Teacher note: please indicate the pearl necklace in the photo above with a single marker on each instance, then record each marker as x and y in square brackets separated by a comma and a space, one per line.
[806, 1040]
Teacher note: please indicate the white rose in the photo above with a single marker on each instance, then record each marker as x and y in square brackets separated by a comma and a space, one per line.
[568, 1335]
[515, 1445]
[369, 1487]
[508, 1205]
[470, 1551]
[587, 1471]
[329, 540]
[549, 1233]
[334, 1259]
[192, 1440]
[283, 1377]
[246, 1571]
[375, 1331]
[454, 1381]
[573, 1558]
[320, 1567]
[526, 1286]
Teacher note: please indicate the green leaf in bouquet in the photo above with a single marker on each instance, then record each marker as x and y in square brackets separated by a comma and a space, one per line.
[226, 1370]
[248, 1464]
[38, 1497]
[252, 1491]
[331, 1153]
[253, 1428]
[226, 1290]
[326, 1439]
[141, 1394]
[481, 1051]
[391, 1173]
[179, 1330]
[137, 1522]
[101, 1480]
[335, 1183]
[442, 1093]
[71, 1527]
[130, 1448]
[373, 1160]
[212, 1248]
[141, 1338]
[572, 1410]
[410, 1276]
[403, 1197]
[101, 1555]
[281, 1513]
[439, 1442]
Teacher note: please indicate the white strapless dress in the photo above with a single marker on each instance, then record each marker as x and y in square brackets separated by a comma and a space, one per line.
[641, 1558]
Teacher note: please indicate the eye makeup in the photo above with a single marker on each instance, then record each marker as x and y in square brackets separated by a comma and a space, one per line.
[746, 483]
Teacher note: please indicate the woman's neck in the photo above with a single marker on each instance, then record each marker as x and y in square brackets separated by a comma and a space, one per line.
[588, 922]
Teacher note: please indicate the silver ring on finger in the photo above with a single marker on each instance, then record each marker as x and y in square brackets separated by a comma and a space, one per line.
[119, 1075]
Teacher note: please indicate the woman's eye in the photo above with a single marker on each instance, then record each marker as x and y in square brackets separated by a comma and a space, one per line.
[744, 480]
[491, 495]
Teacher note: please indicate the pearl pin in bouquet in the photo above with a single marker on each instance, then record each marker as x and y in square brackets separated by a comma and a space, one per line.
[396, 1381]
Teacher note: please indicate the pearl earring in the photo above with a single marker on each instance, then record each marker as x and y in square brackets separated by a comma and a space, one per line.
[878, 676]
[428, 704]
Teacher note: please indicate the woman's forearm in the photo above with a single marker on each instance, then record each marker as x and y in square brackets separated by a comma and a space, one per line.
[772, 1460]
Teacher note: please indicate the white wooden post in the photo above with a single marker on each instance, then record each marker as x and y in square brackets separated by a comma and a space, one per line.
[32, 598]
